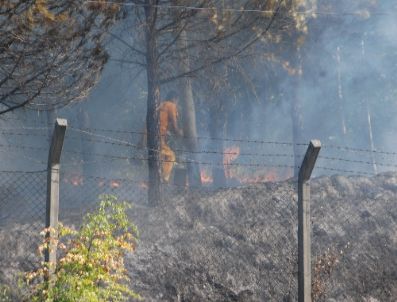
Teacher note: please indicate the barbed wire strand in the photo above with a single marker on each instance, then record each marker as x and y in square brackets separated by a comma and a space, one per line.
[193, 161]
[37, 161]
[179, 161]
[145, 183]
[24, 147]
[185, 7]
[23, 171]
[24, 128]
[135, 146]
[87, 131]
[238, 153]
[242, 182]
[257, 165]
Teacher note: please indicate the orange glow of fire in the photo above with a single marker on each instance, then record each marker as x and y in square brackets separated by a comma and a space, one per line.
[230, 155]
[101, 183]
[144, 185]
[76, 180]
[114, 184]
[270, 176]
[205, 178]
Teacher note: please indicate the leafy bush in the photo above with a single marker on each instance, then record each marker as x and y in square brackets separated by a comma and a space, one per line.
[5, 293]
[90, 266]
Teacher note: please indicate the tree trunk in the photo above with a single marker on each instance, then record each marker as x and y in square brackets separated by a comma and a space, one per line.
[340, 96]
[51, 116]
[189, 115]
[297, 129]
[371, 138]
[84, 123]
[217, 130]
[153, 101]
[296, 114]
[369, 122]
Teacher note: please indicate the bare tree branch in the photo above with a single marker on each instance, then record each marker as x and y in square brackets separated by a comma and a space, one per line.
[58, 41]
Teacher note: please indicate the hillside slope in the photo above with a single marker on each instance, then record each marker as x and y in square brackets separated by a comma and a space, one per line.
[239, 244]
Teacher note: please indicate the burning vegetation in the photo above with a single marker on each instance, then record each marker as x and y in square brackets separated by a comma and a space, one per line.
[184, 98]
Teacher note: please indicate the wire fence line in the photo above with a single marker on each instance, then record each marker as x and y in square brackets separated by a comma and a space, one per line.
[269, 155]
[108, 158]
[252, 164]
[120, 170]
[186, 160]
[310, 12]
[115, 141]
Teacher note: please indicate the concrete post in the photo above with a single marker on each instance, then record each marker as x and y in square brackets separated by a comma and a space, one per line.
[52, 205]
[304, 240]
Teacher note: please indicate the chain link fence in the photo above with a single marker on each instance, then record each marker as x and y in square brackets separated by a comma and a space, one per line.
[354, 223]
[22, 209]
[237, 240]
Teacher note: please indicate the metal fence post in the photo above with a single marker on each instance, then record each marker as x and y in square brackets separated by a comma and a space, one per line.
[304, 240]
[52, 205]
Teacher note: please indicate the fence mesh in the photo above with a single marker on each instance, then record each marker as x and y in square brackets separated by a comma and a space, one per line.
[354, 237]
[22, 208]
[237, 237]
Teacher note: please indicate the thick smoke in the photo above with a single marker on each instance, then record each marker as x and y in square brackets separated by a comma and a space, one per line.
[349, 67]
[351, 71]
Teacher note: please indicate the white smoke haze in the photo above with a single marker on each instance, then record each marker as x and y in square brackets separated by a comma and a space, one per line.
[349, 60]
[340, 87]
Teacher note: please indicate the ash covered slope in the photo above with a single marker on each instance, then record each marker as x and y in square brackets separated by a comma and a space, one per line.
[240, 244]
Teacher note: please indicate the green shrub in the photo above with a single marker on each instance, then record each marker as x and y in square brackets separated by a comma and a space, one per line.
[5, 293]
[90, 267]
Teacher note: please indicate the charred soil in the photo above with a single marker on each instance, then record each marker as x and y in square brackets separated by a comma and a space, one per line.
[240, 244]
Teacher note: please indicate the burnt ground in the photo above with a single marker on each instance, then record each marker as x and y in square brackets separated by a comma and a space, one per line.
[240, 244]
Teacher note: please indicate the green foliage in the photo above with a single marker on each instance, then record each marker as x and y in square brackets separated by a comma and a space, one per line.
[5, 293]
[91, 266]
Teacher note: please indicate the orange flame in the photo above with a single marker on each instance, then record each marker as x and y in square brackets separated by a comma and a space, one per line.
[101, 183]
[230, 155]
[114, 184]
[270, 176]
[144, 185]
[205, 178]
[76, 180]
